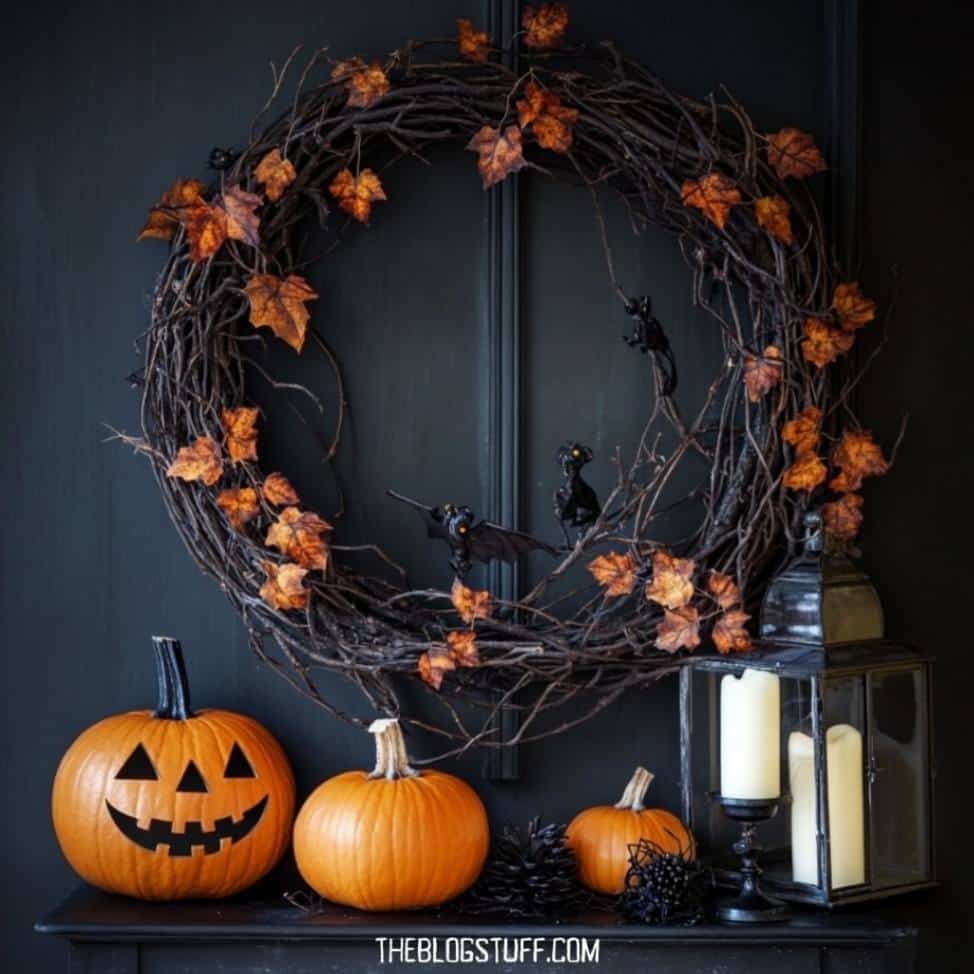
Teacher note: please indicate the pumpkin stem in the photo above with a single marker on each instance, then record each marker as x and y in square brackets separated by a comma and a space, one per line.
[171, 676]
[391, 760]
[632, 797]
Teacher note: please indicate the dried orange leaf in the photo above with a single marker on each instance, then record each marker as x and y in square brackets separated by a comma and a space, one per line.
[843, 517]
[615, 572]
[550, 120]
[463, 647]
[671, 585]
[356, 194]
[772, 213]
[201, 460]
[713, 194]
[499, 154]
[545, 26]
[365, 83]
[299, 535]
[206, 230]
[239, 504]
[242, 222]
[856, 456]
[470, 603]
[277, 490]
[284, 588]
[167, 214]
[680, 629]
[806, 473]
[275, 174]
[724, 589]
[853, 308]
[729, 634]
[792, 152]
[240, 433]
[433, 664]
[279, 304]
[823, 343]
[762, 372]
[474, 45]
[804, 431]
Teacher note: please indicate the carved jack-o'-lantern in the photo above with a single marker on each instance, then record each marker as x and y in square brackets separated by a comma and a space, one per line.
[173, 804]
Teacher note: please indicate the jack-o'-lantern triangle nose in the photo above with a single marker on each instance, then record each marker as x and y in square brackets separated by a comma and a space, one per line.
[192, 780]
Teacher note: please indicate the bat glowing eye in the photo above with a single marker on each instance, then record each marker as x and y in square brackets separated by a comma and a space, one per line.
[463, 529]
[576, 453]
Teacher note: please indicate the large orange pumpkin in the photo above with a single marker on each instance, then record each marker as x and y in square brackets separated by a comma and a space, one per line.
[392, 839]
[601, 836]
[173, 804]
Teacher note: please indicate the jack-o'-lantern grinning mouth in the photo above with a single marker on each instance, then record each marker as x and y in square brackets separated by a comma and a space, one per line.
[160, 832]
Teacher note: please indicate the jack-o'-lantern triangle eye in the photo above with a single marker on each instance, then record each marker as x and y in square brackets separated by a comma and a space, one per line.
[138, 767]
[237, 765]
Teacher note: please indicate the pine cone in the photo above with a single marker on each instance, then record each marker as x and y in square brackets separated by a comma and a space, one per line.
[529, 874]
[664, 887]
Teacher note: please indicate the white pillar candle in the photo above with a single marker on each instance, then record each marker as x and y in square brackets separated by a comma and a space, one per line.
[750, 735]
[847, 838]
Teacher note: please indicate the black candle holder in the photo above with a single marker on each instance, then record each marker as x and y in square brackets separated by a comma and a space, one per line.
[751, 905]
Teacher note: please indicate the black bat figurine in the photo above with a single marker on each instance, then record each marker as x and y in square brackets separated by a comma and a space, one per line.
[576, 503]
[648, 336]
[469, 541]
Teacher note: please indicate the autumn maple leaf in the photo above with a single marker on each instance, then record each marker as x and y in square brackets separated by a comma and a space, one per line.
[275, 174]
[724, 590]
[804, 431]
[279, 304]
[277, 490]
[284, 588]
[550, 121]
[239, 504]
[843, 517]
[356, 194]
[713, 194]
[792, 152]
[856, 456]
[206, 230]
[463, 647]
[729, 634]
[472, 44]
[299, 536]
[240, 433]
[680, 629]
[852, 307]
[433, 664]
[772, 213]
[615, 572]
[168, 213]
[242, 222]
[499, 154]
[544, 27]
[806, 473]
[470, 603]
[671, 584]
[762, 372]
[201, 461]
[823, 343]
[365, 83]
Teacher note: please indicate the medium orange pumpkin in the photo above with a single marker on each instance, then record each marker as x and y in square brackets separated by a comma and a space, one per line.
[601, 836]
[392, 839]
[173, 804]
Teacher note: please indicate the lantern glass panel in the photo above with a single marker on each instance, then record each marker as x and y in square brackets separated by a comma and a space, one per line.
[898, 772]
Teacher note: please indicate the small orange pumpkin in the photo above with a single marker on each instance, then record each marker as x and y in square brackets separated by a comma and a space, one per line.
[173, 804]
[601, 836]
[392, 839]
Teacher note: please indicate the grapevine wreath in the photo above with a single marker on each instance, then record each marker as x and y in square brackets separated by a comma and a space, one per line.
[775, 430]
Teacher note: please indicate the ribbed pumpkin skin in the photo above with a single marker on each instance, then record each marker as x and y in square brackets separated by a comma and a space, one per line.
[379, 844]
[106, 858]
[601, 836]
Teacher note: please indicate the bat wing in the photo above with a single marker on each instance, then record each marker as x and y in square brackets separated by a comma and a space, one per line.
[435, 528]
[490, 541]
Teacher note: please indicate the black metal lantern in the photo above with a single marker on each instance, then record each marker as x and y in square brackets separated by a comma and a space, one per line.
[845, 745]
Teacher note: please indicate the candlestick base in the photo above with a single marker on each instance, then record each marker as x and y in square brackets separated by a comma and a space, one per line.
[751, 905]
